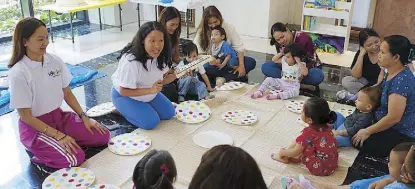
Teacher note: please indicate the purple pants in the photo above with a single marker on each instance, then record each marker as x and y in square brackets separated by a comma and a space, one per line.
[48, 151]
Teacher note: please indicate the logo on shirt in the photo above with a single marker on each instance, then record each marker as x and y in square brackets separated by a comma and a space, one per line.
[55, 73]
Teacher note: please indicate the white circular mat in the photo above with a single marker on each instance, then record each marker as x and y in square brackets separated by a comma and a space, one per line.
[209, 139]
[69, 178]
[192, 112]
[240, 117]
[295, 106]
[233, 85]
[101, 109]
[104, 186]
[129, 144]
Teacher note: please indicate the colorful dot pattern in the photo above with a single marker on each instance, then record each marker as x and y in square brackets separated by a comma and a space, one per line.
[240, 117]
[104, 186]
[295, 106]
[192, 112]
[69, 178]
[129, 144]
[231, 86]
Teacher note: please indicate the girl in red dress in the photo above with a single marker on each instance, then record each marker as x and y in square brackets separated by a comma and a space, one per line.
[316, 147]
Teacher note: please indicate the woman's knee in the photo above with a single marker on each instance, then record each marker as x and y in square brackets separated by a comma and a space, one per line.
[315, 76]
[99, 139]
[249, 63]
[148, 123]
[270, 69]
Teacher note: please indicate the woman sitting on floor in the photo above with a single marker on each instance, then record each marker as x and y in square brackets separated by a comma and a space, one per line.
[365, 68]
[212, 18]
[171, 19]
[282, 37]
[141, 73]
[39, 82]
[396, 113]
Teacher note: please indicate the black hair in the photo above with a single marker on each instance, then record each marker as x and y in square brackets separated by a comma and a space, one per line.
[296, 51]
[136, 47]
[227, 167]
[400, 45]
[167, 14]
[156, 170]
[319, 111]
[221, 31]
[188, 48]
[365, 34]
[277, 27]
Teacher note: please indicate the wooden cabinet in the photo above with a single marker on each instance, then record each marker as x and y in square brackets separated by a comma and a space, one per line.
[395, 17]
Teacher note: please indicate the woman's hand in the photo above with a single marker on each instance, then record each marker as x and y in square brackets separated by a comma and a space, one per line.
[240, 70]
[157, 87]
[362, 51]
[276, 57]
[92, 124]
[220, 66]
[360, 137]
[68, 143]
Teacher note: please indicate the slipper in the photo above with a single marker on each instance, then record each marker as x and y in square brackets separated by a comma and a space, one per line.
[304, 182]
[287, 183]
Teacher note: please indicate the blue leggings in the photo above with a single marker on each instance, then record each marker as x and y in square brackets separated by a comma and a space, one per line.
[144, 115]
[343, 141]
[365, 183]
[315, 75]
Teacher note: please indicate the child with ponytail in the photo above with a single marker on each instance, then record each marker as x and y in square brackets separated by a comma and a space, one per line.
[156, 170]
[316, 147]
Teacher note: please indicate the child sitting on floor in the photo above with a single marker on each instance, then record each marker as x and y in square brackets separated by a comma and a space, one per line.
[316, 147]
[190, 83]
[293, 69]
[155, 170]
[223, 53]
[401, 169]
[362, 117]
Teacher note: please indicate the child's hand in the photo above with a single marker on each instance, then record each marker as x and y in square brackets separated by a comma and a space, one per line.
[362, 51]
[220, 66]
[210, 89]
[381, 184]
[335, 133]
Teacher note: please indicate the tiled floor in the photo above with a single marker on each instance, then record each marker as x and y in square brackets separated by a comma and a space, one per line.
[93, 49]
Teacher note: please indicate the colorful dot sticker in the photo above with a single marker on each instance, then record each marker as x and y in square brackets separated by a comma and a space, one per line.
[129, 144]
[295, 106]
[346, 111]
[233, 85]
[300, 121]
[192, 112]
[240, 117]
[101, 109]
[104, 186]
[69, 178]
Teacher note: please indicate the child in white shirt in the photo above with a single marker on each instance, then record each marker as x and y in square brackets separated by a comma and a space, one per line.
[293, 69]
[191, 83]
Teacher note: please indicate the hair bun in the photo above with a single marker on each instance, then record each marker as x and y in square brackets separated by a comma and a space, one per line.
[332, 117]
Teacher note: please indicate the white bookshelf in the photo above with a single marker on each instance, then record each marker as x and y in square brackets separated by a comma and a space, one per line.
[326, 20]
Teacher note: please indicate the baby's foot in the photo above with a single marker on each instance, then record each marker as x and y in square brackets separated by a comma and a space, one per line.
[273, 96]
[257, 94]
[277, 157]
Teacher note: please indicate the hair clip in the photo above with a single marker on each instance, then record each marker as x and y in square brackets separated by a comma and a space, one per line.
[411, 55]
[164, 168]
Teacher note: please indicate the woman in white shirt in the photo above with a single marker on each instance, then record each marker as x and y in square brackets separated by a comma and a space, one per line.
[210, 19]
[38, 84]
[142, 71]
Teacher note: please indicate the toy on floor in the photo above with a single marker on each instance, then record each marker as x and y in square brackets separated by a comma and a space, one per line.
[233, 85]
[74, 177]
[203, 59]
[295, 106]
[104, 186]
[240, 117]
[192, 112]
[101, 109]
[129, 144]
[166, 1]
[209, 139]
[82, 78]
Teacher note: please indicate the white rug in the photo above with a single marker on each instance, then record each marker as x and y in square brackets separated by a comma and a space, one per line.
[276, 127]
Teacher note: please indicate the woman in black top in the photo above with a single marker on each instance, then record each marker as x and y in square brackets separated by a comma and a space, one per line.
[365, 68]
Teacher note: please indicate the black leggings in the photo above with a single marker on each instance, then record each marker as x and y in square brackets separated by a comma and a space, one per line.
[382, 143]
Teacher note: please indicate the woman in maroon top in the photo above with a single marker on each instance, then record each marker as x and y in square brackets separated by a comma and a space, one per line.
[281, 37]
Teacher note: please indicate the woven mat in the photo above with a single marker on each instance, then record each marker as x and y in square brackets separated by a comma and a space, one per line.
[276, 127]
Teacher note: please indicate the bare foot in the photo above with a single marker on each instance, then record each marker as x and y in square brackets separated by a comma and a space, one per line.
[277, 157]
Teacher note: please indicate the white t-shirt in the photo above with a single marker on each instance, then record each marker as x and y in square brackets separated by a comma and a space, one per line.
[290, 73]
[38, 87]
[131, 74]
[199, 69]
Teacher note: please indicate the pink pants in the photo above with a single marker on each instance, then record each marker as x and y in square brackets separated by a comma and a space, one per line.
[48, 151]
[289, 89]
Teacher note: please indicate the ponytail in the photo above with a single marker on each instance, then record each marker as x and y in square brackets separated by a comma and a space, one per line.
[332, 117]
[319, 111]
